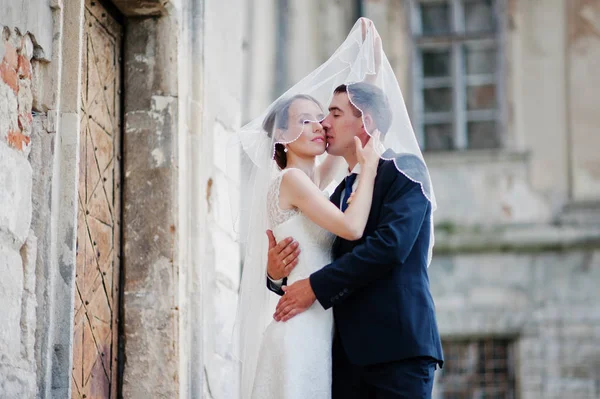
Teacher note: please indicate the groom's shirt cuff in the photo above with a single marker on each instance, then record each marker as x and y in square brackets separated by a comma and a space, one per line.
[276, 283]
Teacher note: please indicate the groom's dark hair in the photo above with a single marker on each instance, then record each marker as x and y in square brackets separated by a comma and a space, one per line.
[369, 99]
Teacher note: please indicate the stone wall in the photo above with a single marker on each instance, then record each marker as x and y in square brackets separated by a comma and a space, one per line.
[40, 52]
[38, 175]
[545, 302]
[18, 243]
[150, 300]
[221, 262]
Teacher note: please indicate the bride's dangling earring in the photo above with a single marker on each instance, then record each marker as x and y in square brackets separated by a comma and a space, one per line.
[284, 149]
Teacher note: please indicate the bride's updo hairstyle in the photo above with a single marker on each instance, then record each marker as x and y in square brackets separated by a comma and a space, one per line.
[278, 118]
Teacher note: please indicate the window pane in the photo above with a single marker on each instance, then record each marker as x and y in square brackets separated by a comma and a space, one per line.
[469, 370]
[439, 137]
[479, 15]
[481, 97]
[480, 60]
[435, 18]
[483, 135]
[436, 63]
[437, 100]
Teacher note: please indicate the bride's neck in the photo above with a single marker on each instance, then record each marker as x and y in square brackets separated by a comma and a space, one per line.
[306, 164]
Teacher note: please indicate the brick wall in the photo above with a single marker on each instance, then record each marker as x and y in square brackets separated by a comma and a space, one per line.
[15, 92]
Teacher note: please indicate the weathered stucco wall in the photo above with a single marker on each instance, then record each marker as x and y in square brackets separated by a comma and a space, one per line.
[260, 41]
[538, 92]
[39, 127]
[33, 17]
[221, 261]
[18, 244]
[583, 80]
[485, 189]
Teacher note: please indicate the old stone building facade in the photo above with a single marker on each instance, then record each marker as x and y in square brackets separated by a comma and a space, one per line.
[120, 267]
[502, 95]
[119, 264]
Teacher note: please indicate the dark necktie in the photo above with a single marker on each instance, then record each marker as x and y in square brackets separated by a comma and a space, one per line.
[349, 183]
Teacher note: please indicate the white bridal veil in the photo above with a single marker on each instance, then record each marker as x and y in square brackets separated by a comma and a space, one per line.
[360, 64]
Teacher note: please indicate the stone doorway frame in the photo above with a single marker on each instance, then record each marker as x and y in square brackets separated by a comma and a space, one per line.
[149, 244]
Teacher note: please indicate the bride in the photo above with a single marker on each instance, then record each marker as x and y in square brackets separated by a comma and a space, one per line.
[295, 357]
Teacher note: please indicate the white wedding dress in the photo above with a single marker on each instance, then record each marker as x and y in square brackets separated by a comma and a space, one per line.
[295, 356]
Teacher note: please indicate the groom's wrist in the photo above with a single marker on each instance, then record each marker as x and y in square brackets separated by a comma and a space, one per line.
[314, 283]
[273, 279]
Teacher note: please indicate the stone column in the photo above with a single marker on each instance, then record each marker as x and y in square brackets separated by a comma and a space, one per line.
[150, 300]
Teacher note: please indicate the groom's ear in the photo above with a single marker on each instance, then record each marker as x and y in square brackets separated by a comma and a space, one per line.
[369, 123]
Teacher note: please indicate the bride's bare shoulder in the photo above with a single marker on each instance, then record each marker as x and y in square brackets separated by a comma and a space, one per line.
[293, 177]
[295, 182]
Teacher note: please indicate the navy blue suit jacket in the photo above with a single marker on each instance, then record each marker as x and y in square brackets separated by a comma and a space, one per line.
[378, 286]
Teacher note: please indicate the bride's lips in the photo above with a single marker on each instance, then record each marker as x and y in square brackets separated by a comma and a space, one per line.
[319, 139]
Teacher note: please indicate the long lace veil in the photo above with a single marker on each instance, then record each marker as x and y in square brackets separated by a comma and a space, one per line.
[358, 63]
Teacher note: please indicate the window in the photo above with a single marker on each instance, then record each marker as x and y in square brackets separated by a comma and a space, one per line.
[477, 369]
[456, 60]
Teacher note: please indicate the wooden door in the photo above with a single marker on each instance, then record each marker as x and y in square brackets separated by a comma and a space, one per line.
[95, 348]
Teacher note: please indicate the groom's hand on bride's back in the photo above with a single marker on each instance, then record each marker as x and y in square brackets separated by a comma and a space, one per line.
[283, 256]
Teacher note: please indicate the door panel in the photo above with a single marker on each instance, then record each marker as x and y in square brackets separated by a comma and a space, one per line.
[95, 345]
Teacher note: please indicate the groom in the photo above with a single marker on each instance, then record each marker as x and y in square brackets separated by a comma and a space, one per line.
[386, 342]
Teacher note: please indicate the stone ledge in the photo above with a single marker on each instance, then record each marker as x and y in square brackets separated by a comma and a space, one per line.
[138, 8]
[442, 158]
[582, 213]
[521, 239]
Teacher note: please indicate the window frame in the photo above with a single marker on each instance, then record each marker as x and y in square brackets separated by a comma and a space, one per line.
[481, 372]
[454, 40]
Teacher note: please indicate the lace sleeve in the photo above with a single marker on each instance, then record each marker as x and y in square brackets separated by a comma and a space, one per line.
[276, 214]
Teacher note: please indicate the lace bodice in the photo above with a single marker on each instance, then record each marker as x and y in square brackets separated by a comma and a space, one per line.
[276, 214]
[315, 242]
